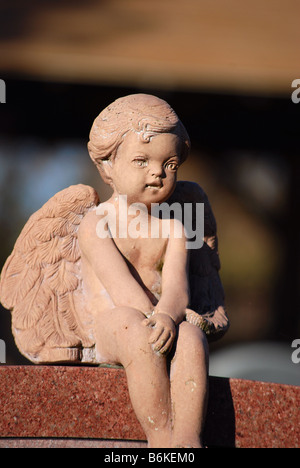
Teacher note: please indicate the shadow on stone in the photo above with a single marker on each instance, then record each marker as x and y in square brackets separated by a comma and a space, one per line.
[220, 423]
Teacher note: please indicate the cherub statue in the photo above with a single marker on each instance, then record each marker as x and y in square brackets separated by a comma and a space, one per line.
[83, 287]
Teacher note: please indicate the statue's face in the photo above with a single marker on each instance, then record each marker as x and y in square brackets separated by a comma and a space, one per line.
[146, 172]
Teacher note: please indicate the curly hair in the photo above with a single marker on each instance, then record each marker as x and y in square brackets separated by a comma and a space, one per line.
[143, 114]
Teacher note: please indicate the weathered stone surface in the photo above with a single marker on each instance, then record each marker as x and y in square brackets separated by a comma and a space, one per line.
[71, 443]
[89, 406]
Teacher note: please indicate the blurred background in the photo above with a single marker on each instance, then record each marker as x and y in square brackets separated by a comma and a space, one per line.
[227, 68]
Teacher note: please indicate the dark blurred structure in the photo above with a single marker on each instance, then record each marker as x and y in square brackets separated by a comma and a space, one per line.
[227, 73]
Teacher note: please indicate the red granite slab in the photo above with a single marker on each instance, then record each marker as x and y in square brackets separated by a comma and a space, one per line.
[249, 414]
[84, 402]
[71, 443]
[93, 403]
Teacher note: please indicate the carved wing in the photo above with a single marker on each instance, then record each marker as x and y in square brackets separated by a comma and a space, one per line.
[206, 291]
[41, 280]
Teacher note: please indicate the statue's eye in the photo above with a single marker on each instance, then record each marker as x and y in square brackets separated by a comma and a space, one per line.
[172, 166]
[140, 162]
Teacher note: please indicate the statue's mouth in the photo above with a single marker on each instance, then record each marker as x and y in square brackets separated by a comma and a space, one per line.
[154, 186]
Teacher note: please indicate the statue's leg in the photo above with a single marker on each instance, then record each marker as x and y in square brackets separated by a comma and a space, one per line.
[189, 386]
[122, 338]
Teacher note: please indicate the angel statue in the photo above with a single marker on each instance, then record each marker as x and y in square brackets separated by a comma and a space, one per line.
[119, 283]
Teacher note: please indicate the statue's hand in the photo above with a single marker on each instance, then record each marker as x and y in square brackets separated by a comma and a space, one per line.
[211, 323]
[163, 334]
[220, 319]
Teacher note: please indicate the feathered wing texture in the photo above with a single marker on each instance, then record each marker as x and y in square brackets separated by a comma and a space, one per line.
[41, 281]
[206, 291]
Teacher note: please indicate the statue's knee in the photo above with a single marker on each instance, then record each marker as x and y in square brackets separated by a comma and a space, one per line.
[131, 322]
[121, 334]
[192, 338]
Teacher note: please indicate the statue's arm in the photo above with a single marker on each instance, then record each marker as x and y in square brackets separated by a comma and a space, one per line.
[110, 267]
[175, 289]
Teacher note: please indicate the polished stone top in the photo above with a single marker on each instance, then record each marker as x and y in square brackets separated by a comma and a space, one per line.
[93, 403]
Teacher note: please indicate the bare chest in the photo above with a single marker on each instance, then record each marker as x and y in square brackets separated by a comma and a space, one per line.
[143, 253]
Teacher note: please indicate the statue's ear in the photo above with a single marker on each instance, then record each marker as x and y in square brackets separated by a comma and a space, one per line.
[105, 170]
